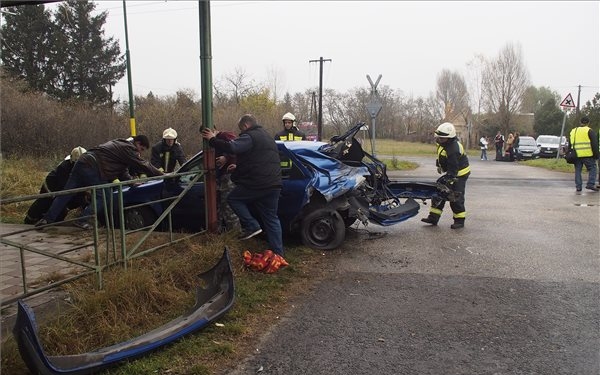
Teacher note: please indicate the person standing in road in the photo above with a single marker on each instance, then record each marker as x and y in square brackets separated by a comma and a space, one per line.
[100, 165]
[510, 153]
[290, 131]
[167, 152]
[453, 162]
[584, 141]
[499, 142]
[257, 178]
[483, 143]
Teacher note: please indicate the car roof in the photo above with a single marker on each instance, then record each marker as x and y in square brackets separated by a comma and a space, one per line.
[295, 145]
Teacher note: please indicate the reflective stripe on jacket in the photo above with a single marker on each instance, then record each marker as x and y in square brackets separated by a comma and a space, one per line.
[451, 157]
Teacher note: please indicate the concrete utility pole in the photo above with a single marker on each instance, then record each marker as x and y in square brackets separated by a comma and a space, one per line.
[320, 119]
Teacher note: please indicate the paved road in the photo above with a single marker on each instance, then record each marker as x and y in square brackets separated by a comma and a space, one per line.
[515, 292]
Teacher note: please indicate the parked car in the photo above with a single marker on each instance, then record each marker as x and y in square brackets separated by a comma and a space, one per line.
[528, 148]
[327, 188]
[548, 144]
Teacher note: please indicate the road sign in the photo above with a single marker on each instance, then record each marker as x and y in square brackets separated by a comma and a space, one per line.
[374, 106]
[568, 102]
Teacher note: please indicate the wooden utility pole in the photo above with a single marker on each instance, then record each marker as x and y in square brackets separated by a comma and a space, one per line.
[320, 119]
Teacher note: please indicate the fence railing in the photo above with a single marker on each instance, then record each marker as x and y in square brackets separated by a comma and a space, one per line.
[108, 245]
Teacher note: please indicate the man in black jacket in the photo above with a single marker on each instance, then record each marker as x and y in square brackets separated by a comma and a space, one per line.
[257, 178]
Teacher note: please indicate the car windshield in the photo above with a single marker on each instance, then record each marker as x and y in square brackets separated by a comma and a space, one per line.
[548, 139]
[192, 165]
[526, 142]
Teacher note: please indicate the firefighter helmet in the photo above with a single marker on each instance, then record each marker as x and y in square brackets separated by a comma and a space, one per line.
[76, 153]
[445, 130]
[290, 117]
[170, 133]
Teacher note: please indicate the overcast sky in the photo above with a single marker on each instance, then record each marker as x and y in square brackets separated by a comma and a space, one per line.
[408, 43]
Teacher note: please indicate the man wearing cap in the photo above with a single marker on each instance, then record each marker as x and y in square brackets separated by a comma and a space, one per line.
[584, 140]
[167, 152]
[55, 181]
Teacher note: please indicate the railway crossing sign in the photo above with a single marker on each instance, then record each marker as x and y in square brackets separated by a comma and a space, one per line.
[568, 102]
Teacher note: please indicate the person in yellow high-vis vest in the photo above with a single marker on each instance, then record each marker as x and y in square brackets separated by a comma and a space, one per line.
[452, 161]
[584, 141]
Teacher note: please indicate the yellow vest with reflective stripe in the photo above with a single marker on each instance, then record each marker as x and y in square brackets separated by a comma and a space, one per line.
[580, 141]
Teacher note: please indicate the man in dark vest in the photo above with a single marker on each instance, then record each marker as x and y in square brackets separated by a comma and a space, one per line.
[257, 178]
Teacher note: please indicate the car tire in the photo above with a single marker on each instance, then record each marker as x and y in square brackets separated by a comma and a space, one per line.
[323, 229]
[139, 217]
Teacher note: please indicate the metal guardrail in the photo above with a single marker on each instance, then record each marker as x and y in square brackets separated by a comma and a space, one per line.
[115, 237]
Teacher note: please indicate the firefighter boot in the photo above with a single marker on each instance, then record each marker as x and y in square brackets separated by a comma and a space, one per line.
[458, 223]
[431, 219]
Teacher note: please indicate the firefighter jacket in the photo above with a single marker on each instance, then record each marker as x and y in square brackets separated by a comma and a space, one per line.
[294, 134]
[452, 159]
[166, 157]
[585, 142]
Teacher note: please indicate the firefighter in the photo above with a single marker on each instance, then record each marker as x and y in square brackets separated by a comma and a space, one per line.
[167, 152]
[290, 131]
[452, 161]
[55, 181]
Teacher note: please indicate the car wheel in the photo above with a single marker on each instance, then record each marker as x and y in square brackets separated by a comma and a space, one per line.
[139, 217]
[323, 229]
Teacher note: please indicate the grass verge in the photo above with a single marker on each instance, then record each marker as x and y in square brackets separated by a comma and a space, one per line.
[159, 287]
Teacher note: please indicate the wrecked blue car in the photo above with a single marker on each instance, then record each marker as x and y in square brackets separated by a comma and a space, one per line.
[327, 187]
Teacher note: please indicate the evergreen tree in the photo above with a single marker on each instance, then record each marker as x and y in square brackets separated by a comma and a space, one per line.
[87, 64]
[26, 46]
[548, 119]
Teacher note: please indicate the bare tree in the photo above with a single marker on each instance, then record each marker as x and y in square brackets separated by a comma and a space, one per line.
[240, 84]
[505, 80]
[452, 94]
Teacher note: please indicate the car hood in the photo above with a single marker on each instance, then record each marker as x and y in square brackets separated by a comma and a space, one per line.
[331, 177]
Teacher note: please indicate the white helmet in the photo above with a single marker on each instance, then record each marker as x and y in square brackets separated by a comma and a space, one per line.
[289, 116]
[170, 133]
[76, 153]
[445, 130]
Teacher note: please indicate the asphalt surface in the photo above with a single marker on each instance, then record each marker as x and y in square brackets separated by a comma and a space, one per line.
[514, 292]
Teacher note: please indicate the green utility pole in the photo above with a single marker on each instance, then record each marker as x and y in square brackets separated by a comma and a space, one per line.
[128, 60]
[210, 180]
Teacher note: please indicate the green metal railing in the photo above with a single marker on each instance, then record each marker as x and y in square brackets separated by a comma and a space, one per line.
[116, 249]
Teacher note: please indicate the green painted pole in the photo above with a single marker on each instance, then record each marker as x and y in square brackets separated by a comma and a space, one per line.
[129, 85]
[210, 179]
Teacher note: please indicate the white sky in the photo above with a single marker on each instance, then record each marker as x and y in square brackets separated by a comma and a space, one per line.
[409, 43]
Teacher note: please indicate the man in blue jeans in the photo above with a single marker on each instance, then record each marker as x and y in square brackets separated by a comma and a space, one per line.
[257, 178]
[585, 142]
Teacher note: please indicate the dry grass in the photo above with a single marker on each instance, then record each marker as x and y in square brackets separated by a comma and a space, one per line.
[159, 287]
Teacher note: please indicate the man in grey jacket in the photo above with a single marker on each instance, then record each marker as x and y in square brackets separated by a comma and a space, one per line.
[103, 164]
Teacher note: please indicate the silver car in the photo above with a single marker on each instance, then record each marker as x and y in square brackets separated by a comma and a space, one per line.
[548, 144]
[528, 148]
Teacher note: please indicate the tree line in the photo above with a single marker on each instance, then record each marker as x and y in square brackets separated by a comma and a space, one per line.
[58, 69]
